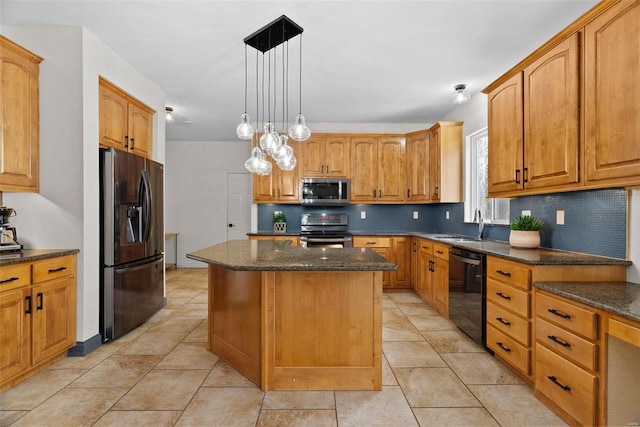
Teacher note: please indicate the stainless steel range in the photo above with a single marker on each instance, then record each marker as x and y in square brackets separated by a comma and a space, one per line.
[324, 230]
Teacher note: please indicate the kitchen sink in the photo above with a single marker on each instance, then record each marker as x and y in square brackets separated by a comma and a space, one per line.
[459, 239]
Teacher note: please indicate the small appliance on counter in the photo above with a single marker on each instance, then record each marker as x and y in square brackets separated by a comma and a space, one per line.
[8, 235]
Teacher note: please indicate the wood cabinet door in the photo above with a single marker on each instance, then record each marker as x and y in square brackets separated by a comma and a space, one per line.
[140, 131]
[113, 119]
[401, 256]
[417, 156]
[415, 242]
[54, 313]
[386, 275]
[15, 333]
[505, 136]
[288, 182]
[364, 156]
[19, 118]
[337, 156]
[441, 286]
[425, 277]
[551, 117]
[391, 164]
[312, 157]
[612, 94]
[434, 165]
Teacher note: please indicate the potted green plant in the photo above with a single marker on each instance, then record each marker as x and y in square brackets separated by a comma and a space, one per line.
[279, 222]
[525, 232]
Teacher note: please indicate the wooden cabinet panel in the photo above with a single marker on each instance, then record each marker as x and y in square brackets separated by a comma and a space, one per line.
[509, 349]
[312, 156]
[570, 346]
[509, 323]
[567, 315]
[510, 272]
[15, 333]
[391, 166]
[19, 118]
[509, 297]
[364, 177]
[124, 122]
[14, 276]
[401, 256]
[382, 246]
[441, 286]
[279, 186]
[53, 268]
[612, 95]
[417, 169]
[570, 387]
[377, 169]
[54, 309]
[338, 156]
[505, 136]
[325, 155]
[551, 117]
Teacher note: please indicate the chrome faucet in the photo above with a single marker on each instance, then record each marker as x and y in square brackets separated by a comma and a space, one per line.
[477, 217]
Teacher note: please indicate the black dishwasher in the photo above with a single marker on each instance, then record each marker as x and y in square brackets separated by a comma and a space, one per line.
[467, 293]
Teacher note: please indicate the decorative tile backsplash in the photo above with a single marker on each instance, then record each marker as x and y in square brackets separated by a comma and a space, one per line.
[595, 220]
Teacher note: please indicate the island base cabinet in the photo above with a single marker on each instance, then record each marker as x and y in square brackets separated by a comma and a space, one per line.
[565, 387]
[322, 330]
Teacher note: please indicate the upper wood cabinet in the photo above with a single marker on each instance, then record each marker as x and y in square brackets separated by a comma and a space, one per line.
[612, 96]
[19, 118]
[125, 123]
[279, 186]
[377, 169]
[434, 164]
[568, 116]
[325, 155]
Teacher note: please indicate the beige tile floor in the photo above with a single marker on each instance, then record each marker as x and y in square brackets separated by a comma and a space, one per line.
[162, 375]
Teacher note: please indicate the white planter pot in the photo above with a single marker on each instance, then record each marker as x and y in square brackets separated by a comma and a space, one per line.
[524, 239]
[279, 227]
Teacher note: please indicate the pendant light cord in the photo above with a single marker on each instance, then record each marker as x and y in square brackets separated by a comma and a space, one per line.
[245, 79]
[300, 101]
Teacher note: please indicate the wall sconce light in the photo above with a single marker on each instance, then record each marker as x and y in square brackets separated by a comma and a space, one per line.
[462, 95]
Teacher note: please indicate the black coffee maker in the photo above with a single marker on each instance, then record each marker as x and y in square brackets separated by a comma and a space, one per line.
[8, 234]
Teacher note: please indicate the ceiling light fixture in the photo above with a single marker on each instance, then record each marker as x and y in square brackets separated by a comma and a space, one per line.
[462, 96]
[168, 114]
[271, 143]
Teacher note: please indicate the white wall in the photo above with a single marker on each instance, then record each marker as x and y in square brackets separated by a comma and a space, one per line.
[196, 192]
[474, 114]
[633, 235]
[65, 212]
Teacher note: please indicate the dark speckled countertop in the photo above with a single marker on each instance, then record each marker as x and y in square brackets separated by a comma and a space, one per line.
[621, 298]
[263, 255]
[28, 255]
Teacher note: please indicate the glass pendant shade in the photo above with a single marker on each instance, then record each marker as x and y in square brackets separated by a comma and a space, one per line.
[253, 163]
[287, 163]
[245, 130]
[282, 150]
[269, 140]
[265, 165]
[299, 131]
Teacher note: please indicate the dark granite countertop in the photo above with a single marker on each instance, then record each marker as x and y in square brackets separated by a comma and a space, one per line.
[539, 256]
[262, 255]
[28, 255]
[621, 298]
[272, 234]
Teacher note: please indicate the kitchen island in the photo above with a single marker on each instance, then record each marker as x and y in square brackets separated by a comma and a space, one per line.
[292, 318]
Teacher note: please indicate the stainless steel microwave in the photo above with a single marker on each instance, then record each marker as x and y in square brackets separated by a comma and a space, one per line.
[324, 191]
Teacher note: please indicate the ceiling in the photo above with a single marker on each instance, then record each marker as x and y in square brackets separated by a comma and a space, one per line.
[364, 62]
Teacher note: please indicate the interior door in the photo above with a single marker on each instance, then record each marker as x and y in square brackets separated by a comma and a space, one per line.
[238, 205]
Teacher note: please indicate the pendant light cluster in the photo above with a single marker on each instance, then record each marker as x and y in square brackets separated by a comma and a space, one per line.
[272, 143]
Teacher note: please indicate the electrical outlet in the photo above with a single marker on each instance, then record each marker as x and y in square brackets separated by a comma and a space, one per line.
[363, 215]
[526, 213]
[560, 217]
[446, 215]
[415, 214]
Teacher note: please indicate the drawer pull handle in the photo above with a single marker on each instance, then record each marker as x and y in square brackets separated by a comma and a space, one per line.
[439, 252]
[371, 243]
[502, 346]
[504, 322]
[559, 341]
[55, 270]
[40, 297]
[28, 309]
[501, 295]
[559, 314]
[10, 279]
[558, 383]
[425, 247]
[504, 273]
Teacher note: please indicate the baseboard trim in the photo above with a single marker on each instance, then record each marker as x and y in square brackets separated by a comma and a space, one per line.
[82, 348]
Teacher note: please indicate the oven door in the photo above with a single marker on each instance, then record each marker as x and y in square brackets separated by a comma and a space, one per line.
[326, 242]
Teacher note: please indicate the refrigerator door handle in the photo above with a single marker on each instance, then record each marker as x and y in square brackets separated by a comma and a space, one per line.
[145, 202]
[139, 266]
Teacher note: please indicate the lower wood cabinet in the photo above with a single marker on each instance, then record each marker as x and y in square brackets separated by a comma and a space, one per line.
[396, 249]
[37, 316]
[432, 275]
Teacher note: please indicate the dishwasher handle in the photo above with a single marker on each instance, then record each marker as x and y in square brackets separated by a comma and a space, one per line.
[466, 260]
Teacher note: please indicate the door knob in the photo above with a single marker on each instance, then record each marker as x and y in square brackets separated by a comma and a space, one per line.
[231, 225]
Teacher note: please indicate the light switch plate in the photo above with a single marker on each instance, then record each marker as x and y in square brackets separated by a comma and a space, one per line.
[446, 215]
[415, 214]
[560, 217]
[526, 213]
[363, 215]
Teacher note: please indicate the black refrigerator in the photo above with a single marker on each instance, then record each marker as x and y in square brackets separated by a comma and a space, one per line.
[131, 241]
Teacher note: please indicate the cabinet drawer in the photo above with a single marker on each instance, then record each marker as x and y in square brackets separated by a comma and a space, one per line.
[569, 386]
[509, 349]
[507, 322]
[509, 272]
[371, 242]
[441, 251]
[14, 276]
[509, 297]
[563, 342]
[52, 269]
[425, 246]
[569, 316]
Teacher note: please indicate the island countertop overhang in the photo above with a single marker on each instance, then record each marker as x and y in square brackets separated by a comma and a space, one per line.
[267, 255]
